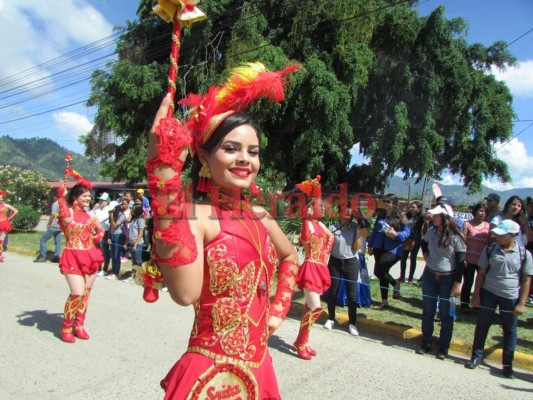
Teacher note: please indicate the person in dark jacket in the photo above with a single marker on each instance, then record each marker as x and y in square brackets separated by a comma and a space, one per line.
[386, 245]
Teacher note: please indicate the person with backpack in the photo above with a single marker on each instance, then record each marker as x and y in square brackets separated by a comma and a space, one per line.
[503, 281]
[118, 233]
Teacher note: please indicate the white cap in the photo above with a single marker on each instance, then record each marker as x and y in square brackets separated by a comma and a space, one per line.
[441, 209]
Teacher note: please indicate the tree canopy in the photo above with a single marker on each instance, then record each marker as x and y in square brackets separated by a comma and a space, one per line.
[409, 89]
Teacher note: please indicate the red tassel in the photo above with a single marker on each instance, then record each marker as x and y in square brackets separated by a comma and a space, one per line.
[254, 189]
[204, 185]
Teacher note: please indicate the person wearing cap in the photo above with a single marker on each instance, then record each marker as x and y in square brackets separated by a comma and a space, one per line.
[448, 201]
[443, 247]
[53, 231]
[101, 212]
[145, 201]
[492, 200]
[503, 281]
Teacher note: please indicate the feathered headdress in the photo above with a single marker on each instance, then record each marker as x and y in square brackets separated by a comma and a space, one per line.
[246, 84]
[3, 194]
[311, 187]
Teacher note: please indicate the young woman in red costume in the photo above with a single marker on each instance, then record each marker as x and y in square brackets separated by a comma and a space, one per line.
[313, 275]
[5, 221]
[81, 257]
[223, 259]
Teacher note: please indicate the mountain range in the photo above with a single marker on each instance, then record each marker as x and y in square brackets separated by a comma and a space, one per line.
[458, 193]
[47, 157]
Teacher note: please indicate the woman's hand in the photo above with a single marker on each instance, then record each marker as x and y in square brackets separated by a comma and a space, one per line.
[370, 251]
[391, 233]
[273, 324]
[519, 309]
[475, 302]
[456, 290]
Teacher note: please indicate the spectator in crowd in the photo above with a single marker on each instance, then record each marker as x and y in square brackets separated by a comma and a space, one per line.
[443, 247]
[448, 201]
[129, 197]
[101, 211]
[344, 264]
[118, 225]
[413, 242]
[514, 210]
[529, 246]
[145, 201]
[52, 230]
[7, 213]
[476, 232]
[80, 259]
[136, 237]
[492, 201]
[313, 275]
[385, 243]
[503, 281]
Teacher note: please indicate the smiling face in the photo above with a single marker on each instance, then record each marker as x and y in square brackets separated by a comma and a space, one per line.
[235, 163]
[84, 199]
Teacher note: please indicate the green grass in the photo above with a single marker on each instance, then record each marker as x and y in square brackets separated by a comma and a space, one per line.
[407, 311]
[30, 241]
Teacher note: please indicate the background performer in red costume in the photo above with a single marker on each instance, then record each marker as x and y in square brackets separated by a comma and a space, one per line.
[81, 258]
[313, 275]
[223, 261]
[5, 221]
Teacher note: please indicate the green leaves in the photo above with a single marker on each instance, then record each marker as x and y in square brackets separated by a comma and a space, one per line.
[408, 89]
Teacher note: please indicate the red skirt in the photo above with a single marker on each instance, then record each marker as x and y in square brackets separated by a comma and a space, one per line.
[5, 226]
[81, 262]
[314, 277]
[193, 368]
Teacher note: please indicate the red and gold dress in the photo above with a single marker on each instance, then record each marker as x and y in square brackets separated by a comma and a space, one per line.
[313, 273]
[227, 355]
[5, 224]
[81, 256]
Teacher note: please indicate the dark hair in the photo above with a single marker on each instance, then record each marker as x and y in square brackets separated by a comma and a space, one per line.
[476, 208]
[75, 192]
[233, 121]
[396, 218]
[508, 205]
[447, 229]
[136, 211]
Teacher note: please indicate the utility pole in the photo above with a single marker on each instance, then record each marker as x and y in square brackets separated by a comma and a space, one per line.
[425, 200]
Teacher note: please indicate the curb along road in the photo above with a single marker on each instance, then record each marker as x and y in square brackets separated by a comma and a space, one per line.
[409, 334]
[404, 333]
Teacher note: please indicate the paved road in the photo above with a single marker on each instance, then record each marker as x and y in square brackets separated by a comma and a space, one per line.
[133, 344]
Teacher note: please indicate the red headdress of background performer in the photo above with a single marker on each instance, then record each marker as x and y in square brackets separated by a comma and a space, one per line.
[3, 194]
[311, 187]
[247, 83]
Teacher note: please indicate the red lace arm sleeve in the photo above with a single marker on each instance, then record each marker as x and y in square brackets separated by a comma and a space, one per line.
[64, 211]
[286, 285]
[174, 244]
[97, 238]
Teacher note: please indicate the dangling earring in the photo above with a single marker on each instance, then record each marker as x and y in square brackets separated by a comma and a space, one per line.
[254, 189]
[204, 184]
